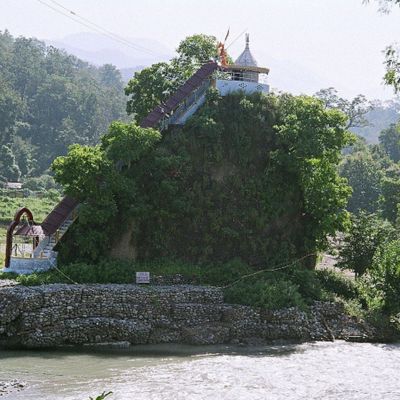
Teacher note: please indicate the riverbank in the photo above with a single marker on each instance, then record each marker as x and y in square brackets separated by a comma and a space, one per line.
[60, 314]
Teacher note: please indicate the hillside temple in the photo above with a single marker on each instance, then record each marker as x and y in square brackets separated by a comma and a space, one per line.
[30, 247]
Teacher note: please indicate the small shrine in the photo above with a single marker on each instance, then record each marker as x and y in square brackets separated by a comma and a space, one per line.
[244, 75]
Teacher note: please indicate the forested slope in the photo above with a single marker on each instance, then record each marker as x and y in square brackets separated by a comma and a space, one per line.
[49, 100]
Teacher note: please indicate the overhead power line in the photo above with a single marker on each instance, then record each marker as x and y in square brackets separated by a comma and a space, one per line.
[60, 9]
[236, 38]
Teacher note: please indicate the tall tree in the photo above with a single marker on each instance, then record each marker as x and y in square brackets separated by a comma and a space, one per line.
[355, 109]
[364, 175]
[153, 85]
[389, 140]
[367, 233]
[8, 167]
[50, 100]
[392, 53]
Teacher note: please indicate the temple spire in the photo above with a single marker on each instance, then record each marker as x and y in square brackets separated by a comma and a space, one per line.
[246, 59]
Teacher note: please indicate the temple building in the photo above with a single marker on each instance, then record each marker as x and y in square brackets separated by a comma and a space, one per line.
[244, 75]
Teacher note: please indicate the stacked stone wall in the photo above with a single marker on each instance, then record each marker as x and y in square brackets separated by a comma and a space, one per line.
[54, 315]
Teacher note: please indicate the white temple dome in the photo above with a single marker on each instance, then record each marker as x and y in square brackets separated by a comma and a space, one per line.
[246, 59]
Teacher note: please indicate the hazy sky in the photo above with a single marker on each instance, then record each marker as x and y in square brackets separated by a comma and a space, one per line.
[329, 42]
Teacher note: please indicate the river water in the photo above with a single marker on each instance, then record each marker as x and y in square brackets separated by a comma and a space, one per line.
[307, 371]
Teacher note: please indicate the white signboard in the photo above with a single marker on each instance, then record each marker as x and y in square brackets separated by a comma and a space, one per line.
[142, 277]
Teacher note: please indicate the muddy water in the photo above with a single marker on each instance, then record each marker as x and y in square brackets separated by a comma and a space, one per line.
[309, 371]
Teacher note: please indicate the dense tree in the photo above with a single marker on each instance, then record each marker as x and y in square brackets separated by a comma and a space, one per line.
[355, 109]
[49, 100]
[389, 140]
[248, 176]
[150, 87]
[153, 85]
[390, 198]
[364, 175]
[367, 233]
[91, 175]
[8, 167]
[384, 279]
[392, 61]
[10, 108]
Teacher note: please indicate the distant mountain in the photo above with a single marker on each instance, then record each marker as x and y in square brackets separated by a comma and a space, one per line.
[99, 49]
[379, 118]
[127, 73]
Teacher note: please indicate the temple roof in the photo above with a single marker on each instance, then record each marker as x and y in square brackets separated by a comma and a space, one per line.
[246, 59]
[29, 230]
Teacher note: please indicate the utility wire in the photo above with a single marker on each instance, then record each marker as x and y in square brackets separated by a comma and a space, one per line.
[236, 38]
[120, 38]
[95, 27]
[278, 267]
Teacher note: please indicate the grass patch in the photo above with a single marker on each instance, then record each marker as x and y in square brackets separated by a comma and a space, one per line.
[111, 271]
[40, 207]
[294, 287]
[271, 290]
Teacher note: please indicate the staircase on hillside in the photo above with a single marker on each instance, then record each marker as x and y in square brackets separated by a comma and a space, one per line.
[184, 102]
[47, 251]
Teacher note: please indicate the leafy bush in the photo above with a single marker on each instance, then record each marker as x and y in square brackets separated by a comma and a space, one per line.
[242, 284]
[41, 183]
[107, 271]
[335, 282]
[272, 295]
[367, 233]
[248, 286]
[383, 281]
[308, 283]
[224, 274]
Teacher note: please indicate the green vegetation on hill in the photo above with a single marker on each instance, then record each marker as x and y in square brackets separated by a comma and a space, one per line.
[291, 286]
[40, 207]
[153, 85]
[49, 100]
[381, 116]
[253, 177]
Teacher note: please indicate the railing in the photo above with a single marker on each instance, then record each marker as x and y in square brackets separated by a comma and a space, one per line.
[248, 76]
[189, 101]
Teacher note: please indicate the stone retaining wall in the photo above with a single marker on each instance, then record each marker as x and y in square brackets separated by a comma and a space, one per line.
[53, 315]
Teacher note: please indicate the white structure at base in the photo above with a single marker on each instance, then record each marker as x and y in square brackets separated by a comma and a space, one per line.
[26, 266]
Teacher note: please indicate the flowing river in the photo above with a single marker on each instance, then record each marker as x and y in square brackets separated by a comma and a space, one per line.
[307, 371]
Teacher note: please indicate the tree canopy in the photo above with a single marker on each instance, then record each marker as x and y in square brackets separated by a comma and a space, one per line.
[253, 177]
[153, 85]
[49, 100]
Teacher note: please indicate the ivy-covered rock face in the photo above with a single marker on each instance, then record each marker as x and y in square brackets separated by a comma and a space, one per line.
[253, 177]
